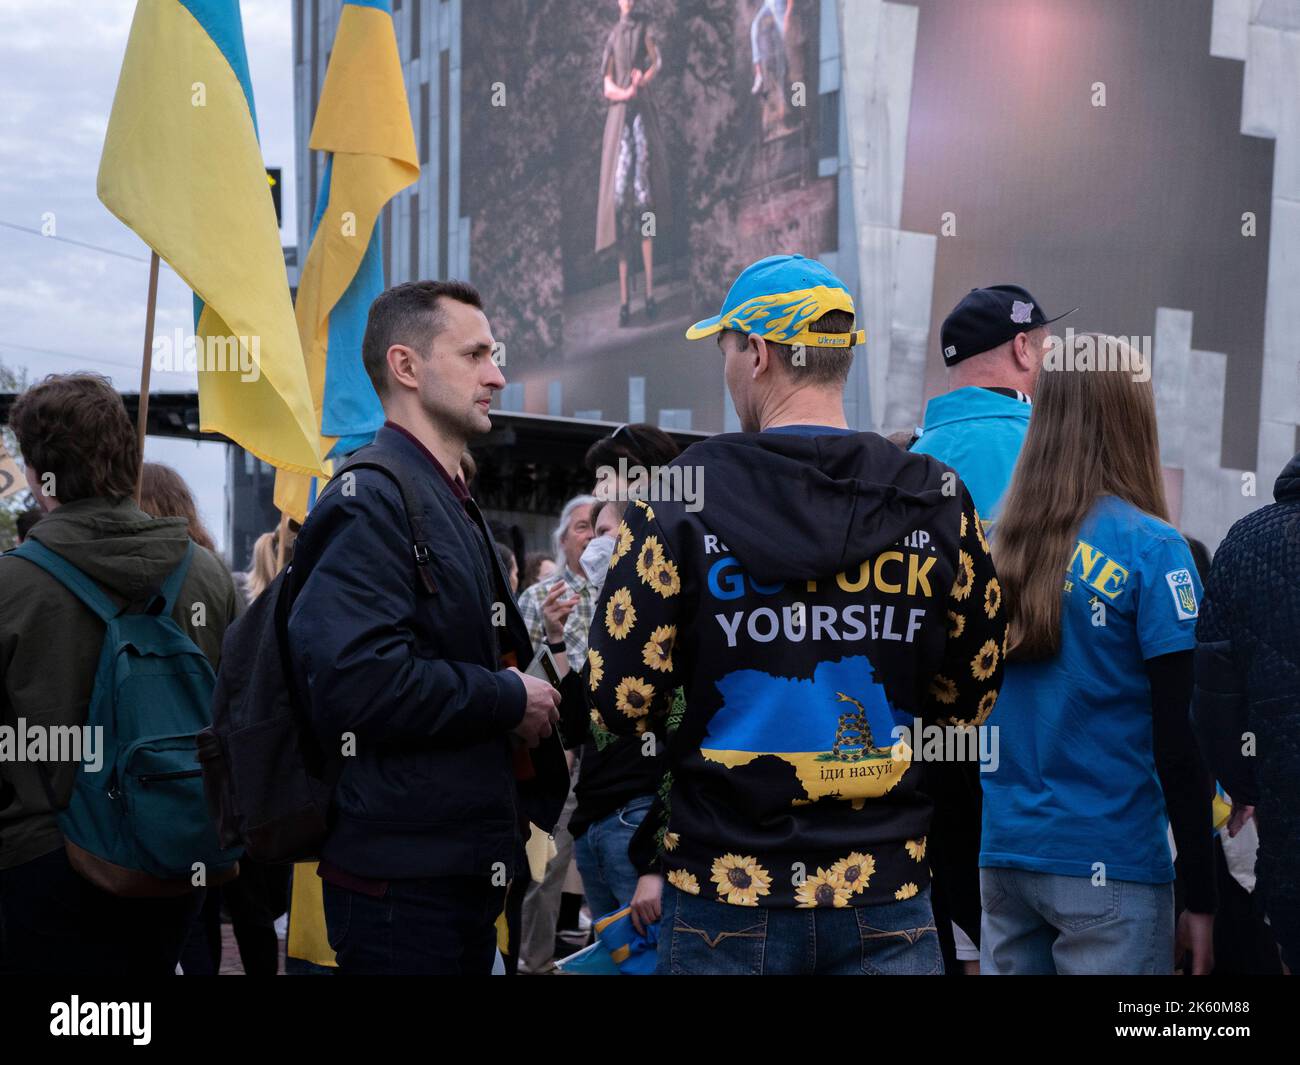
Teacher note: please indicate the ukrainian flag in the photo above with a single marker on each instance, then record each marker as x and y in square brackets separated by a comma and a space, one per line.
[183, 169]
[364, 123]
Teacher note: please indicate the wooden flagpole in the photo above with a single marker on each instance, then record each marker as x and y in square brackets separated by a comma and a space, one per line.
[143, 416]
[282, 536]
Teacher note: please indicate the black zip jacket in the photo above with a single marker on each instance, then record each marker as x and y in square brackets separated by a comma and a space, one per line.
[414, 677]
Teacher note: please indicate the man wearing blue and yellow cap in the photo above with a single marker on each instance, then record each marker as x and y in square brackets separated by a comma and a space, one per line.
[794, 311]
[820, 594]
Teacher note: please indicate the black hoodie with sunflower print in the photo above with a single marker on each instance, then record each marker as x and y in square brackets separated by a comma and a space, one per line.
[826, 592]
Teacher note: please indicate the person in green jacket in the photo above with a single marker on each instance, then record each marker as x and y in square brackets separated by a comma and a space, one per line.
[82, 463]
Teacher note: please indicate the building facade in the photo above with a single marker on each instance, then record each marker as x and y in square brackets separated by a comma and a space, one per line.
[943, 177]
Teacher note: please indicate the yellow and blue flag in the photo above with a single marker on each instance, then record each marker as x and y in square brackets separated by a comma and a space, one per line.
[182, 167]
[619, 949]
[363, 122]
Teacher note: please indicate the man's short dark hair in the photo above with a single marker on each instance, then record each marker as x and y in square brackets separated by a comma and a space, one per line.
[75, 427]
[821, 366]
[408, 314]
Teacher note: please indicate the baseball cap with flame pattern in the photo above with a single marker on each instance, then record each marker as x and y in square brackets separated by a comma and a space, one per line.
[779, 298]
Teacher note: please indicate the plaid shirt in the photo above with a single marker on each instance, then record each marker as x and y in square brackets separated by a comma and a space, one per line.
[579, 620]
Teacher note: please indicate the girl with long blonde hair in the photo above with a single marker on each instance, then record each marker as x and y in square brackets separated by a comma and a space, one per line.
[266, 560]
[1097, 756]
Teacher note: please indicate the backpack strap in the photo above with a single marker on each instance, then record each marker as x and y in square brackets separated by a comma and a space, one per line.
[171, 588]
[70, 577]
[397, 471]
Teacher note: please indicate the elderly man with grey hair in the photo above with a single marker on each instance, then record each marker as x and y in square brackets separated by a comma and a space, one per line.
[576, 600]
[567, 600]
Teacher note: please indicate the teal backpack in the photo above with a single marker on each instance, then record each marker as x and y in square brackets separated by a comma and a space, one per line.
[139, 824]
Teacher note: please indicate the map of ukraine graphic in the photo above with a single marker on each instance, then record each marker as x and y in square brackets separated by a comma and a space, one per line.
[799, 721]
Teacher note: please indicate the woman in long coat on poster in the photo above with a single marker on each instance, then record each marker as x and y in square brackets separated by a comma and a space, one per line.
[633, 162]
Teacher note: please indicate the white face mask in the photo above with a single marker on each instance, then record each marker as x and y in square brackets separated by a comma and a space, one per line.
[596, 556]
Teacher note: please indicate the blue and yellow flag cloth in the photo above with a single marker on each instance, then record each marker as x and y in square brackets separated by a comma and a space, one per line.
[625, 950]
[364, 123]
[182, 167]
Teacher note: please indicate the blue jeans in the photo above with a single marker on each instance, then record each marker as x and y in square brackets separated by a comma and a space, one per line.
[608, 878]
[444, 926]
[1043, 923]
[701, 937]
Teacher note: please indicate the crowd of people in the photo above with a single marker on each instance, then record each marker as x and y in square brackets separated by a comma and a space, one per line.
[720, 709]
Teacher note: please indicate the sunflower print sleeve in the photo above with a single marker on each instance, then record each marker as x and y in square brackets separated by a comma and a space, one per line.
[632, 675]
[965, 689]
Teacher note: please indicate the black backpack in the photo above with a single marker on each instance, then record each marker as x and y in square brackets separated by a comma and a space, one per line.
[266, 779]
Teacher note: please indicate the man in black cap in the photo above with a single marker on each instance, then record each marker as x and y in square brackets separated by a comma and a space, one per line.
[993, 342]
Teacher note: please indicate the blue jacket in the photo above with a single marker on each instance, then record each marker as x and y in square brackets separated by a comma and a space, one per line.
[979, 434]
[415, 676]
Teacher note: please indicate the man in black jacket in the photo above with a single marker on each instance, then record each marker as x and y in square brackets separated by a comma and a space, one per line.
[398, 652]
[1246, 706]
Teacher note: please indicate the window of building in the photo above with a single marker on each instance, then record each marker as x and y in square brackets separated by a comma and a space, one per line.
[424, 122]
[829, 123]
[414, 275]
[386, 252]
[444, 159]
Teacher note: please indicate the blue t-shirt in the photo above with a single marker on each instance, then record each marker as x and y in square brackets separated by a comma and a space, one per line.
[1076, 780]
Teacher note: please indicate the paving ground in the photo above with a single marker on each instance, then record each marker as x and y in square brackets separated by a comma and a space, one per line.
[230, 965]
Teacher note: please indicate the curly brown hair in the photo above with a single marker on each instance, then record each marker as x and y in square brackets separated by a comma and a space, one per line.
[75, 427]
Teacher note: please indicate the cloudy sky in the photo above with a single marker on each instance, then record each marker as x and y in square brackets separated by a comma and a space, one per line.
[66, 307]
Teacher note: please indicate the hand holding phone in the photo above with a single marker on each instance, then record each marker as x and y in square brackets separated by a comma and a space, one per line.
[542, 710]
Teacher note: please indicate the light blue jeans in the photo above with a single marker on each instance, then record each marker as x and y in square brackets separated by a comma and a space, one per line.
[1043, 923]
[608, 876]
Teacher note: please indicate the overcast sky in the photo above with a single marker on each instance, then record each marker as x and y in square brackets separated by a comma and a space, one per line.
[84, 309]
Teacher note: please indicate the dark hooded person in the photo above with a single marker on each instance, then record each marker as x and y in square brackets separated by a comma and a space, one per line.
[830, 596]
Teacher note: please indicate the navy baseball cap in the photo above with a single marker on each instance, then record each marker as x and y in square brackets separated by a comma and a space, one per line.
[988, 317]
